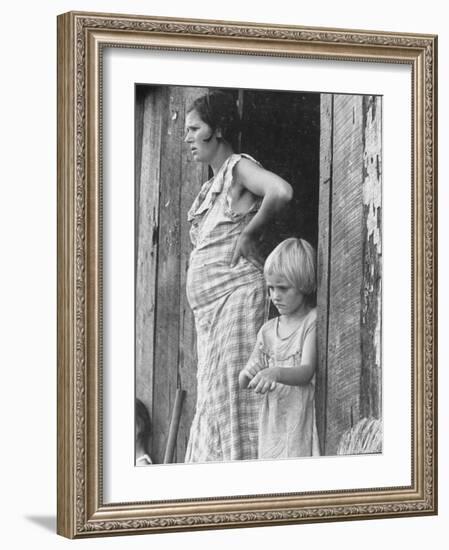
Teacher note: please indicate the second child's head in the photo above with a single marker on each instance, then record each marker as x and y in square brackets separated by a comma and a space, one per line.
[290, 273]
[142, 427]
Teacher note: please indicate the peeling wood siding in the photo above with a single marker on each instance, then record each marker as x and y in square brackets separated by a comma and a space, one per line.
[370, 382]
[349, 289]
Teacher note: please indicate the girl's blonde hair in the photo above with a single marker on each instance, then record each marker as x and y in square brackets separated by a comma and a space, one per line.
[294, 259]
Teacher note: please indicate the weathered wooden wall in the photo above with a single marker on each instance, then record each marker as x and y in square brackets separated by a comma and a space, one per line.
[349, 262]
[148, 138]
[348, 240]
[371, 375]
[165, 334]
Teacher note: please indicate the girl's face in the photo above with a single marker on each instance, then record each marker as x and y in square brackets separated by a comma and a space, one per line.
[285, 297]
[197, 131]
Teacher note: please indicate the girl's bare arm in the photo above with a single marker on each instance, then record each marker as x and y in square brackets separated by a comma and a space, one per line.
[293, 376]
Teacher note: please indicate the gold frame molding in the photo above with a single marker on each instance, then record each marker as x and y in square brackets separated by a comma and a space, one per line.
[81, 37]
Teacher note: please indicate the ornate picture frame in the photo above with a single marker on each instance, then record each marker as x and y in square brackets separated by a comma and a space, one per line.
[83, 510]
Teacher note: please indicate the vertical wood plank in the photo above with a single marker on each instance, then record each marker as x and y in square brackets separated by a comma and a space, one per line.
[346, 270]
[323, 258]
[370, 382]
[168, 279]
[139, 105]
[193, 174]
[147, 244]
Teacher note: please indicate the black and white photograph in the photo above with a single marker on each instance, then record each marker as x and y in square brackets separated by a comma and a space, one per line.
[223, 238]
[258, 274]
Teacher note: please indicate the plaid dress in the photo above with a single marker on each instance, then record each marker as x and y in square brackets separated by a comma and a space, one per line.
[228, 305]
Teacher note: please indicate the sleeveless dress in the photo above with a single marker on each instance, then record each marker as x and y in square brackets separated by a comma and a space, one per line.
[229, 306]
[287, 425]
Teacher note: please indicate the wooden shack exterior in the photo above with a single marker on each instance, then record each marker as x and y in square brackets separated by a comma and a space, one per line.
[349, 265]
[329, 148]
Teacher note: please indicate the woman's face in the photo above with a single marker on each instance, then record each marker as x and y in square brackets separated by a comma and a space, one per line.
[197, 136]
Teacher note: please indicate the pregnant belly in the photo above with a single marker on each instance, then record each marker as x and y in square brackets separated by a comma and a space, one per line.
[213, 280]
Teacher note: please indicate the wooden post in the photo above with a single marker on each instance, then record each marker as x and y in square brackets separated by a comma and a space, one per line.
[323, 263]
[346, 270]
[173, 429]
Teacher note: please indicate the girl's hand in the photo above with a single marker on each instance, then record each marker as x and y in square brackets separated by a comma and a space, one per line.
[247, 247]
[265, 380]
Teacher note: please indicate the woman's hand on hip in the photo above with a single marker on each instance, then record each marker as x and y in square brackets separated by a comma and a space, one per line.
[247, 247]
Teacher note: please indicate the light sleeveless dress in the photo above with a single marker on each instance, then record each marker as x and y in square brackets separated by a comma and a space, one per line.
[287, 425]
[228, 305]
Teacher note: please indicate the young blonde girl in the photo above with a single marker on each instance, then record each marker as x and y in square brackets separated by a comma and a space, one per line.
[282, 365]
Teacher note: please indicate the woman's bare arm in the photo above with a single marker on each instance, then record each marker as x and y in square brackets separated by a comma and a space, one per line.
[276, 193]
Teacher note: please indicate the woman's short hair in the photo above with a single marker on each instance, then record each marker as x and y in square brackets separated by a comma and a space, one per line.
[219, 110]
[294, 259]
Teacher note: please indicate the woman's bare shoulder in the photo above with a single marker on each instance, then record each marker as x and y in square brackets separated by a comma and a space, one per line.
[246, 167]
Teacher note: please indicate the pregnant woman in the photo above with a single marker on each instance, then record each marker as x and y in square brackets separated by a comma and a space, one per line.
[225, 283]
